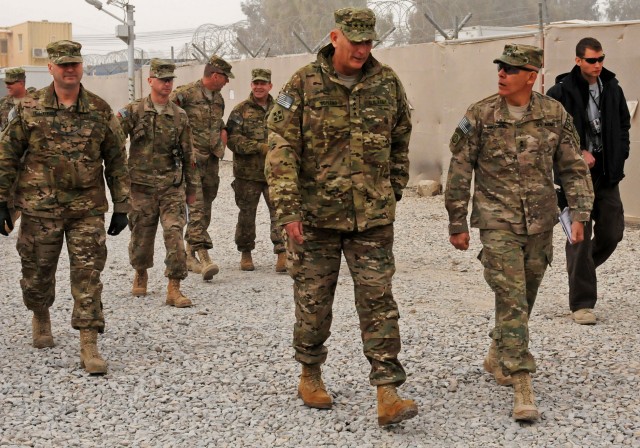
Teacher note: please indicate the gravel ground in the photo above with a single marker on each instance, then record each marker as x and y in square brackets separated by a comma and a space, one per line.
[222, 373]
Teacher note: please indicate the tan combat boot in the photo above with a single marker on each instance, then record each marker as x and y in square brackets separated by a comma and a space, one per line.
[524, 402]
[41, 327]
[246, 262]
[492, 366]
[281, 264]
[90, 358]
[140, 283]
[209, 268]
[174, 296]
[393, 409]
[193, 264]
[311, 388]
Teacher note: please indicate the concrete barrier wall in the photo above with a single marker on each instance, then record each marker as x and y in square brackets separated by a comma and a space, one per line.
[442, 80]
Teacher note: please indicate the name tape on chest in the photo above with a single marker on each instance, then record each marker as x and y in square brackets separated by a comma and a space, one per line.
[285, 100]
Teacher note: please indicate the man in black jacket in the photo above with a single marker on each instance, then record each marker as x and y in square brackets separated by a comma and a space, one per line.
[593, 97]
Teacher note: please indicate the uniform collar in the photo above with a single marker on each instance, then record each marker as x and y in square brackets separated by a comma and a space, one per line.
[50, 100]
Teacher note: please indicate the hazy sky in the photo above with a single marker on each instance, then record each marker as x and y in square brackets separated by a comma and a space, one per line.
[149, 16]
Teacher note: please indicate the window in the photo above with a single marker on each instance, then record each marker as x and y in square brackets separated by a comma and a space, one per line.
[4, 46]
[20, 43]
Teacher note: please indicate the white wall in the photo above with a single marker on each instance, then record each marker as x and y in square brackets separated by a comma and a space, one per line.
[442, 80]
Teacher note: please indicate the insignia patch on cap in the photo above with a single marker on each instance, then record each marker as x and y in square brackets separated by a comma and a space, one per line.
[285, 100]
[465, 125]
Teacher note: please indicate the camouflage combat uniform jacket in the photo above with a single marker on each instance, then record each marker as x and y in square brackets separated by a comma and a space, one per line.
[247, 137]
[339, 157]
[6, 104]
[64, 150]
[205, 118]
[161, 153]
[513, 162]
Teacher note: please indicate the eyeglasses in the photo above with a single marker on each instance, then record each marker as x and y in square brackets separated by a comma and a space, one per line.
[10, 83]
[511, 70]
[165, 80]
[593, 60]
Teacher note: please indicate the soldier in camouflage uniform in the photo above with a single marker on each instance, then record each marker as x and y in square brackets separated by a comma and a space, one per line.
[511, 141]
[69, 141]
[163, 177]
[204, 106]
[14, 80]
[248, 141]
[337, 165]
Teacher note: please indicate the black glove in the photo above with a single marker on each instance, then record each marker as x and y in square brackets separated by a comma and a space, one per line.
[398, 196]
[5, 219]
[118, 222]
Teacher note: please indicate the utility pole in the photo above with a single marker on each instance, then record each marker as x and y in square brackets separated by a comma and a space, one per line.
[125, 33]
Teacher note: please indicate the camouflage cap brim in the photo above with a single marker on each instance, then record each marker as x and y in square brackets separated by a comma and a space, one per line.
[66, 60]
[164, 75]
[510, 60]
[358, 34]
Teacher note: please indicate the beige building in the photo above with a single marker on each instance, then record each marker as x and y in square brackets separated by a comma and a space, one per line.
[25, 44]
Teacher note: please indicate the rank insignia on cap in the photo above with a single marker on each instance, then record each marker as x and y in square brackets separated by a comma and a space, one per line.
[285, 100]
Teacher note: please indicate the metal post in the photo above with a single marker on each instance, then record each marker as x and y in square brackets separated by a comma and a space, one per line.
[131, 51]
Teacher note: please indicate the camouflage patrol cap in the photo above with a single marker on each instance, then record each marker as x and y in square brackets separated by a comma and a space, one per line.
[261, 74]
[221, 65]
[162, 69]
[64, 52]
[14, 74]
[358, 24]
[520, 55]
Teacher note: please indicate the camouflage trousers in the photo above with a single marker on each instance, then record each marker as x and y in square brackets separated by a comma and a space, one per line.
[248, 194]
[514, 266]
[314, 267]
[148, 206]
[200, 211]
[39, 245]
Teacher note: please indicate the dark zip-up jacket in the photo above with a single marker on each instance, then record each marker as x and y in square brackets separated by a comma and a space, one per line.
[572, 90]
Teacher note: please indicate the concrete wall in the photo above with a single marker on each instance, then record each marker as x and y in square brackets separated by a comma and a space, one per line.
[442, 80]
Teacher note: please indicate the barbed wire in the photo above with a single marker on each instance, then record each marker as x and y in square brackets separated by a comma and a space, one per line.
[399, 22]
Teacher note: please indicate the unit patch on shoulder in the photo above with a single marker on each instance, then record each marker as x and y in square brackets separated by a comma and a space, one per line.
[285, 100]
[277, 116]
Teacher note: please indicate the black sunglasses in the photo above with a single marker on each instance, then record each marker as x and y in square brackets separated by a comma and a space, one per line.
[165, 80]
[594, 60]
[511, 70]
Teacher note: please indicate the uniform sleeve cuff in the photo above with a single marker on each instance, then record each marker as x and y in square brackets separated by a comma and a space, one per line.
[121, 207]
[458, 228]
[284, 220]
[579, 216]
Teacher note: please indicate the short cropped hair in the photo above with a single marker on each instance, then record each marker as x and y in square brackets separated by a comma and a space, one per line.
[587, 42]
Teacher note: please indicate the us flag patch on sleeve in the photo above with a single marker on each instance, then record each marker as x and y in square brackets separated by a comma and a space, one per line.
[465, 125]
[123, 113]
[285, 100]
